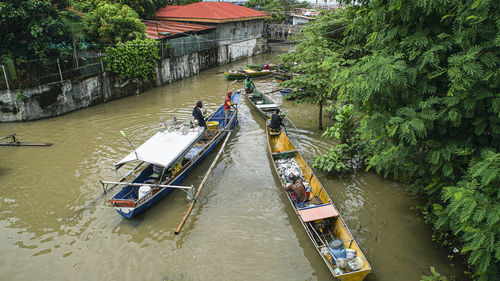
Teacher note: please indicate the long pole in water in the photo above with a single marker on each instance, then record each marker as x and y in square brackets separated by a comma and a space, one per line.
[297, 130]
[190, 208]
[128, 140]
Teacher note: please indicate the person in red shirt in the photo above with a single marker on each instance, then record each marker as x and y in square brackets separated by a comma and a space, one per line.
[227, 106]
[266, 66]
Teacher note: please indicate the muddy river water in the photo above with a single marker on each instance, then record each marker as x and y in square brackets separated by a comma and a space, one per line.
[55, 223]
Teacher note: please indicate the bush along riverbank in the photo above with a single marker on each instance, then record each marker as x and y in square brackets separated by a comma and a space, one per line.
[416, 97]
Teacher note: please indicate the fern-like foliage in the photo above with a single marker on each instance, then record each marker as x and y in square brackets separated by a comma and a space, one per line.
[425, 78]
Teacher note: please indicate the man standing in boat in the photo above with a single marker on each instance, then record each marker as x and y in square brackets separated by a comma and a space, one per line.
[198, 115]
[227, 106]
[249, 85]
[276, 121]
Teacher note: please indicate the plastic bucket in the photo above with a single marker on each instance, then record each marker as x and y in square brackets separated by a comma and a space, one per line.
[213, 125]
[144, 190]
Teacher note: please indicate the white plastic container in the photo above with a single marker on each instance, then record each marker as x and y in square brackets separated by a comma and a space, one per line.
[350, 254]
[144, 190]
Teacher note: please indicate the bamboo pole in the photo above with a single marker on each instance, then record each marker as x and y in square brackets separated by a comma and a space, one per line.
[148, 184]
[190, 208]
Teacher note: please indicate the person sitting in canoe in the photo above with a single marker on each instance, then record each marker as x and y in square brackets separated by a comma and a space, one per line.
[249, 85]
[198, 115]
[266, 66]
[276, 121]
[298, 189]
[227, 106]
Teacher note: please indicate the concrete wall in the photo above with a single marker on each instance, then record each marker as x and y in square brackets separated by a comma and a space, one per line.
[230, 32]
[59, 98]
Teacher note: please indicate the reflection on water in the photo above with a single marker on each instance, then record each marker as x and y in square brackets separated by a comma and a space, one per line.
[56, 225]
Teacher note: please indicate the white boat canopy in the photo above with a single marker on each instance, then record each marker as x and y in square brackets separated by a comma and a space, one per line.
[164, 147]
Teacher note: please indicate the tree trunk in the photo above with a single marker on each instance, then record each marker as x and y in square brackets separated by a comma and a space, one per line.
[321, 116]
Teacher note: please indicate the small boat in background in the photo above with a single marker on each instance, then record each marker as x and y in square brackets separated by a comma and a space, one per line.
[286, 92]
[264, 105]
[282, 76]
[261, 66]
[319, 216]
[14, 141]
[164, 161]
[243, 73]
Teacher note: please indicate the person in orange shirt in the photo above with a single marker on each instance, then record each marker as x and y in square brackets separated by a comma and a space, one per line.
[227, 106]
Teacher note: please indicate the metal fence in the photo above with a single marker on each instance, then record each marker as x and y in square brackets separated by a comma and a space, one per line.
[192, 44]
[18, 75]
[35, 73]
[281, 31]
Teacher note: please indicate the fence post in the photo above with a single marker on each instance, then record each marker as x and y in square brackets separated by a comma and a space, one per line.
[100, 59]
[60, 73]
[6, 80]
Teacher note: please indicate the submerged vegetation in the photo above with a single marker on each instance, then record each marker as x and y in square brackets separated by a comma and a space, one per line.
[421, 82]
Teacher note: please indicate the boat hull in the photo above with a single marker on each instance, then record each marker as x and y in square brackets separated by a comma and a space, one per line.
[130, 211]
[278, 146]
[238, 75]
[266, 114]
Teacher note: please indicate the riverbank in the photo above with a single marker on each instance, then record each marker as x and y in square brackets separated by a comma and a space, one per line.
[59, 98]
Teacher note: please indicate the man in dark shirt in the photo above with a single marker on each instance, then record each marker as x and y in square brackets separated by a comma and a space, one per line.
[198, 115]
[276, 121]
[298, 190]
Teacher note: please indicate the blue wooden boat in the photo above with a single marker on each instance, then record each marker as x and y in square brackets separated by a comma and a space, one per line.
[286, 92]
[165, 160]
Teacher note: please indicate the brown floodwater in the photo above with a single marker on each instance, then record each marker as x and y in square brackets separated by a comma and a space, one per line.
[55, 223]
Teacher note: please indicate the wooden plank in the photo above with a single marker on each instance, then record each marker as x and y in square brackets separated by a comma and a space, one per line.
[318, 213]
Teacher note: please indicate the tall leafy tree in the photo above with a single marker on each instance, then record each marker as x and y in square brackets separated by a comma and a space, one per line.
[278, 9]
[109, 24]
[315, 57]
[427, 83]
[31, 28]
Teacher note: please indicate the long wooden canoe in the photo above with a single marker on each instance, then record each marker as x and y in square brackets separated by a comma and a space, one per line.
[261, 66]
[15, 142]
[261, 103]
[322, 221]
[243, 73]
[282, 76]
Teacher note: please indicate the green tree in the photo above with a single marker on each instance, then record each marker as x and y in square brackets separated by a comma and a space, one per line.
[146, 9]
[277, 9]
[133, 59]
[316, 56]
[31, 29]
[109, 24]
[427, 83]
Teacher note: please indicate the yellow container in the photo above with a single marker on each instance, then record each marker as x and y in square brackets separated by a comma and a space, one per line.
[213, 125]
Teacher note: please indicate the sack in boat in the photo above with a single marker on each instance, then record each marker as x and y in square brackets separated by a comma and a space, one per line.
[356, 264]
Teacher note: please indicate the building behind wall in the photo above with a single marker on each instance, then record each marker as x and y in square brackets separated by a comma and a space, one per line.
[233, 23]
[180, 38]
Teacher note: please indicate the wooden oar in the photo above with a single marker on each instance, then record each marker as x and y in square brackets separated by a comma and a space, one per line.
[190, 208]
[297, 130]
[272, 92]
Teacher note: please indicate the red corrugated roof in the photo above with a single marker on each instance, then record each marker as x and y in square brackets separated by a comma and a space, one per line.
[172, 27]
[217, 11]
